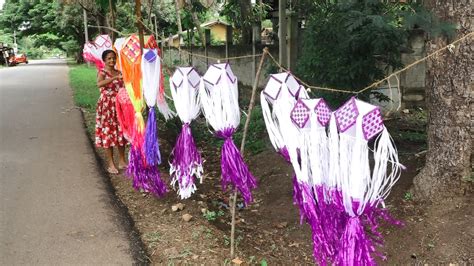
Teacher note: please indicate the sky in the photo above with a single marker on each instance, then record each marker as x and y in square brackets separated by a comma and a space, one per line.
[1, 3]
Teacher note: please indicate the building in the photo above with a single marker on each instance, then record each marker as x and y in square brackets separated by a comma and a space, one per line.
[218, 32]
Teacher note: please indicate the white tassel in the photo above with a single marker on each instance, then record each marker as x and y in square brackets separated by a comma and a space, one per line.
[220, 103]
[382, 180]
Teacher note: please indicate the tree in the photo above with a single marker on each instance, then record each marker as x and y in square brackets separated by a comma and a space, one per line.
[243, 16]
[448, 168]
[349, 45]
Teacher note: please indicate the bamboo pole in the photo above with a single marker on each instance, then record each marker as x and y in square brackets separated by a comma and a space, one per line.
[242, 147]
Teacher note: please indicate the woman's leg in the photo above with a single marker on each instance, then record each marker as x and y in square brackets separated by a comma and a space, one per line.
[109, 154]
[122, 162]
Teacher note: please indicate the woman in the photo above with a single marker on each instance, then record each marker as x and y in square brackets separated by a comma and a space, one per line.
[108, 133]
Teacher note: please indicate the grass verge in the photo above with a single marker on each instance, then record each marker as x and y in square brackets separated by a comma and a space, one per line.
[82, 80]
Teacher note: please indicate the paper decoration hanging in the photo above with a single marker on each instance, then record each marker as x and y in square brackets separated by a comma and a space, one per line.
[219, 98]
[277, 100]
[337, 191]
[92, 51]
[125, 113]
[118, 44]
[363, 189]
[151, 68]
[186, 160]
[130, 59]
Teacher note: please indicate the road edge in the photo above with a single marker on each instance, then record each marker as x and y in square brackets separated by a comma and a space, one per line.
[137, 247]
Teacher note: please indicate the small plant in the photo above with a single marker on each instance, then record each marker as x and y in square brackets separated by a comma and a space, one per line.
[263, 262]
[209, 233]
[408, 196]
[226, 240]
[212, 215]
[238, 240]
[153, 238]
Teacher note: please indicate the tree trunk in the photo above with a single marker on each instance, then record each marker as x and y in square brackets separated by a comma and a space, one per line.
[197, 23]
[112, 20]
[178, 18]
[449, 91]
[246, 29]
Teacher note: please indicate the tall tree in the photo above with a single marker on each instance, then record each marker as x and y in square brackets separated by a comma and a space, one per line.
[178, 20]
[191, 6]
[449, 91]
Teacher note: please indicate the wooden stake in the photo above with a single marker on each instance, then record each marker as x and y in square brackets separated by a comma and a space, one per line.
[242, 148]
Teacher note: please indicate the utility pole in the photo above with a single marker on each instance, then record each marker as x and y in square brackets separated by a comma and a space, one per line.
[282, 29]
[156, 26]
[86, 32]
[15, 46]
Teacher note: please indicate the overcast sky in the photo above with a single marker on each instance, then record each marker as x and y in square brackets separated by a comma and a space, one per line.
[1, 3]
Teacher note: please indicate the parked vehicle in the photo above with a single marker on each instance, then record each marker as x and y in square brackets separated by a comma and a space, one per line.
[6, 54]
[18, 59]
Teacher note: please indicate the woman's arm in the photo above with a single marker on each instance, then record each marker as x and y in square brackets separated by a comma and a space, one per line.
[102, 81]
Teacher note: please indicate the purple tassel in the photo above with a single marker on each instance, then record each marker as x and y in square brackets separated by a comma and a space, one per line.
[186, 161]
[285, 154]
[234, 169]
[152, 148]
[298, 198]
[153, 182]
[321, 248]
[356, 246]
[136, 168]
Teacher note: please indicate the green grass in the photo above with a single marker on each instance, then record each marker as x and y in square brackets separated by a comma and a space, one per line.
[83, 80]
[83, 83]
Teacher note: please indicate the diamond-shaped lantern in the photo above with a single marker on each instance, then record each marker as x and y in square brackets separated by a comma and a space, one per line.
[323, 112]
[151, 55]
[150, 43]
[185, 90]
[217, 73]
[103, 42]
[285, 81]
[348, 121]
[118, 44]
[185, 74]
[131, 48]
[300, 114]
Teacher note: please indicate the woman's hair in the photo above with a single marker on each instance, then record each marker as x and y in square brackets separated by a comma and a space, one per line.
[106, 52]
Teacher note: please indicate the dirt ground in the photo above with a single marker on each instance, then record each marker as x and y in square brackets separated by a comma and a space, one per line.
[269, 230]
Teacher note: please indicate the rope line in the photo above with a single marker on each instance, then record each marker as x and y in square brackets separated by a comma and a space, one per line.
[219, 59]
[417, 62]
[382, 80]
[304, 83]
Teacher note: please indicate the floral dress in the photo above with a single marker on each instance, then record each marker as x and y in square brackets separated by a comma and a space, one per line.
[108, 132]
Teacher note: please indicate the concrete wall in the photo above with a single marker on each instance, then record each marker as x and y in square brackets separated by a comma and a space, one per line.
[242, 68]
[407, 91]
[413, 80]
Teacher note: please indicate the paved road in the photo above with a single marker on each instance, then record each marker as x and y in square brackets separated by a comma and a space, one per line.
[55, 208]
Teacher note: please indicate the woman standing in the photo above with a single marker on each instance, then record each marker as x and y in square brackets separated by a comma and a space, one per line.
[108, 132]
